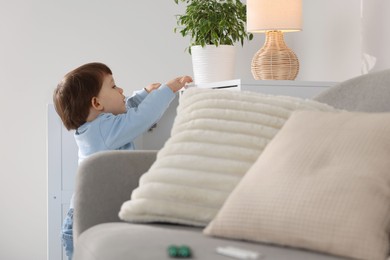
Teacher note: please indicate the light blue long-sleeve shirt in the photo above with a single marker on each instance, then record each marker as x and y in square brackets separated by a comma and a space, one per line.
[117, 132]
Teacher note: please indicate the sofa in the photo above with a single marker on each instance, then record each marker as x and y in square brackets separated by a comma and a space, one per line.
[105, 181]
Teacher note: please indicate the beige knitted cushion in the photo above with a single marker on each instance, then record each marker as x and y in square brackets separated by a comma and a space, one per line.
[323, 183]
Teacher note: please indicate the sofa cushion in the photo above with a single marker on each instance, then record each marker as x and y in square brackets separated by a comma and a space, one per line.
[216, 136]
[118, 241]
[323, 183]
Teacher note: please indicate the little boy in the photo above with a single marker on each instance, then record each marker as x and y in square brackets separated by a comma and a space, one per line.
[88, 101]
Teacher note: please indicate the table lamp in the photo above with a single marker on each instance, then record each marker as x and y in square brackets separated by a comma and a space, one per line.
[274, 61]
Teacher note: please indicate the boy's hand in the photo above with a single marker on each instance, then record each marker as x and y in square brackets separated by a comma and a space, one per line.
[178, 83]
[152, 87]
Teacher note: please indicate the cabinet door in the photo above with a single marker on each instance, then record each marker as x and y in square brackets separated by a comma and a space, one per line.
[155, 138]
[62, 167]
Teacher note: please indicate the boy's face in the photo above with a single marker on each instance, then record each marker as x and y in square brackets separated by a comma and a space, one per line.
[111, 97]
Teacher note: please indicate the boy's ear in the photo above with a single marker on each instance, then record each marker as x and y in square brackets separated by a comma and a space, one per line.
[96, 104]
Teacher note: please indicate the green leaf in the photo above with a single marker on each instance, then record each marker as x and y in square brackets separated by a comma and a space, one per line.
[213, 22]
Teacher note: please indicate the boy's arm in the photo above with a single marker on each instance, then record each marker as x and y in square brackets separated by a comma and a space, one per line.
[124, 128]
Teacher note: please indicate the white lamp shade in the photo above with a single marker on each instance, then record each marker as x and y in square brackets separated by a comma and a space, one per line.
[267, 15]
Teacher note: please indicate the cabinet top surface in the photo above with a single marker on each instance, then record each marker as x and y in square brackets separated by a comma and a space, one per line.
[280, 83]
[287, 83]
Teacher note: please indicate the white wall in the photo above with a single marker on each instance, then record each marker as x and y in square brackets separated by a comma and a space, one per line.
[42, 40]
[375, 35]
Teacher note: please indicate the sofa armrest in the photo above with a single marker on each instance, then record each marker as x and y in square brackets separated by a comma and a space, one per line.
[103, 182]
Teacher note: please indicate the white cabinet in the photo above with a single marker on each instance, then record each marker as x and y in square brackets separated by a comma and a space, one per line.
[303, 89]
[155, 139]
[62, 149]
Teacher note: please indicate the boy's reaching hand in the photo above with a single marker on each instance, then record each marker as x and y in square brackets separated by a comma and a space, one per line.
[152, 87]
[178, 83]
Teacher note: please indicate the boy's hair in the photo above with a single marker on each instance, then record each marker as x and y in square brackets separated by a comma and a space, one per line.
[73, 95]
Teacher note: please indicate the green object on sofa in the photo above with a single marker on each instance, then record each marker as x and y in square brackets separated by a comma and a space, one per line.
[179, 251]
[173, 251]
[105, 179]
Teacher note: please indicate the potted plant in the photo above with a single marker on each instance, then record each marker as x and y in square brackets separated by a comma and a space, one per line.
[214, 26]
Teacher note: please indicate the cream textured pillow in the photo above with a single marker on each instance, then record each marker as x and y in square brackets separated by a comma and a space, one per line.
[217, 135]
[323, 183]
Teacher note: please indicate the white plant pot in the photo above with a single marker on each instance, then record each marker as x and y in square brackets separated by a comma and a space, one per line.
[211, 63]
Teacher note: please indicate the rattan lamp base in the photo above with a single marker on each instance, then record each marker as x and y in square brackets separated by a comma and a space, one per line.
[275, 61]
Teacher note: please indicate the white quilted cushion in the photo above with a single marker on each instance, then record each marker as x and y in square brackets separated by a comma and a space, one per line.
[216, 137]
